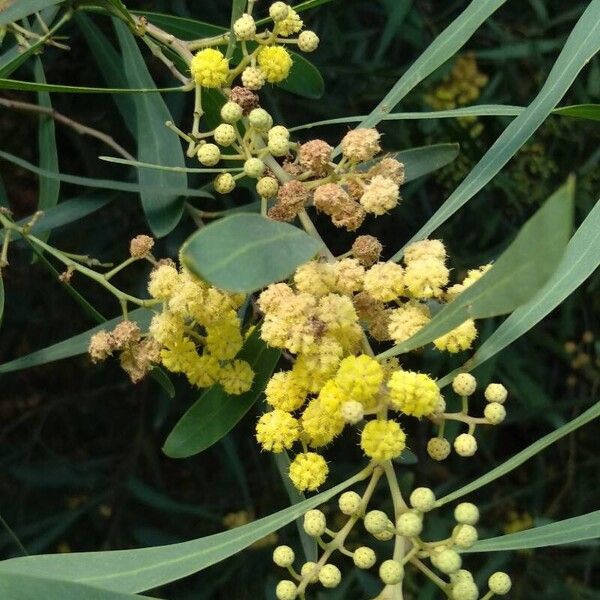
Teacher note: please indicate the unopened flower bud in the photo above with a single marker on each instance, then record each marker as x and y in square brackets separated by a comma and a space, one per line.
[465, 445]
[209, 155]
[422, 499]
[376, 521]
[225, 134]
[495, 413]
[500, 583]
[352, 412]
[496, 392]
[283, 556]
[447, 561]
[364, 557]
[391, 572]
[254, 167]
[349, 503]
[267, 187]
[260, 119]
[330, 576]
[310, 570]
[224, 183]
[308, 41]
[231, 112]
[409, 524]
[467, 513]
[315, 523]
[245, 27]
[438, 448]
[464, 536]
[464, 384]
[286, 590]
[278, 11]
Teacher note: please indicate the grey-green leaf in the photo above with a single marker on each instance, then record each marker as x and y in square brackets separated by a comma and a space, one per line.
[512, 463]
[577, 529]
[425, 159]
[74, 346]
[216, 413]
[26, 587]
[304, 79]
[156, 143]
[144, 569]
[246, 252]
[581, 259]
[524, 267]
[582, 44]
[15, 10]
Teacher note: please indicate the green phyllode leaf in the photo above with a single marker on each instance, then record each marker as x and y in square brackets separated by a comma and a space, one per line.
[216, 413]
[139, 570]
[246, 252]
[15, 10]
[26, 587]
[156, 143]
[524, 267]
[425, 159]
[577, 529]
[581, 259]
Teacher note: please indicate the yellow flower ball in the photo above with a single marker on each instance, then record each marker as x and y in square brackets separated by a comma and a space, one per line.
[359, 378]
[290, 25]
[277, 430]
[414, 394]
[458, 339]
[382, 440]
[209, 68]
[385, 281]
[275, 63]
[320, 425]
[236, 377]
[308, 471]
[285, 391]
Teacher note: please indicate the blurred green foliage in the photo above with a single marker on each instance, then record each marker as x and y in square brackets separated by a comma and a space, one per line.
[80, 447]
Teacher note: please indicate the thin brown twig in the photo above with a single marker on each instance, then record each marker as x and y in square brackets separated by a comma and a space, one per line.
[78, 127]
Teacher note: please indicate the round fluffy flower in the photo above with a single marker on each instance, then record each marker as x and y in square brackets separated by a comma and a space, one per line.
[412, 393]
[165, 327]
[179, 355]
[458, 339]
[405, 321]
[381, 194]
[285, 392]
[391, 168]
[163, 281]
[382, 440]
[359, 379]
[209, 68]
[203, 371]
[101, 346]
[316, 366]
[140, 246]
[224, 339]
[426, 277]
[425, 249]
[341, 321]
[385, 281]
[320, 425]
[290, 25]
[275, 62]
[308, 471]
[314, 277]
[277, 430]
[361, 144]
[274, 296]
[236, 377]
[349, 276]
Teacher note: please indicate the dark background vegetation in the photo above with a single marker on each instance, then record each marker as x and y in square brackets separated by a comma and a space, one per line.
[81, 466]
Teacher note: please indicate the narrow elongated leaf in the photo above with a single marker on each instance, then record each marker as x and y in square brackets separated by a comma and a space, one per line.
[581, 259]
[246, 252]
[425, 159]
[110, 65]
[15, 10]
[156, 143]
[26, 587]
[1, 298]
[121, 10]
[580, 111]
[237, 10]
[146, 568]
[581, 45]
[141, 165]
[515, 278]
[452, 39]
[216, 413]
[49, 188]
[512, 463]
[32, 86]
[74, 346]
[107, 184]
[576, 529]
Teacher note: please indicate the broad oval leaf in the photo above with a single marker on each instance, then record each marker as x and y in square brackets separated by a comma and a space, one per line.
[246, 252]
[515, 278]
[216, 413]
[144, 569]
[576, 529]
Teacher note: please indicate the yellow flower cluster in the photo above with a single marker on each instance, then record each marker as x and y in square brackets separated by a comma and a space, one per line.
[209, 68]
[198, 330]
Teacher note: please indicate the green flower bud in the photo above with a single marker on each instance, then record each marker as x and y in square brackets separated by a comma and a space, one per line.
[409, 524]
[254, 167]
[286, 590]
[364, 557]
[466, 513]
[209, 155]
[283, 556]
[315, 523]
[391, 572]
[330, 576]
[231, 112]
[500, 583]
[422, 499]
[349, 503]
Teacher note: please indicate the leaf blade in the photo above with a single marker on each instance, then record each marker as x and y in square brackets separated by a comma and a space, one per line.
[246, 252]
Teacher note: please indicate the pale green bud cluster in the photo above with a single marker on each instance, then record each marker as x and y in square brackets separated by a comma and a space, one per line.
[494, 413]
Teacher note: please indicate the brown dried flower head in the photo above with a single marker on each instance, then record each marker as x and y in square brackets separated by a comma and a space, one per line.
[125, 333]
[390, 168]
[367, 249]
[101, 346]
[315, 156]
[140, 246]
[246, 98]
